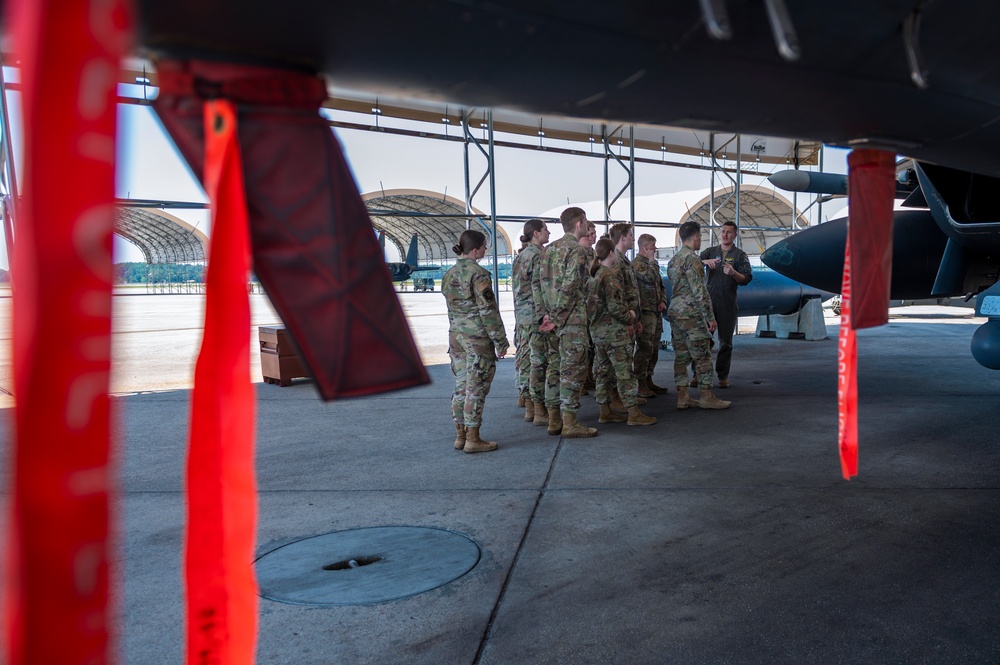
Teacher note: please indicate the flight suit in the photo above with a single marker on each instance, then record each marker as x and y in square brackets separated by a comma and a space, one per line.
[722, 290]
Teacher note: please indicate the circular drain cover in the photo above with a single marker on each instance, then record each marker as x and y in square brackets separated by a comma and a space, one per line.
[364, 566]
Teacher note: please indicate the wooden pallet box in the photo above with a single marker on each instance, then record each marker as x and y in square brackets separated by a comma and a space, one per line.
[279, 362]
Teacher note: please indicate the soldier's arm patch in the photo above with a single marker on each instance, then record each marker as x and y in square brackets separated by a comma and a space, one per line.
[485, 290]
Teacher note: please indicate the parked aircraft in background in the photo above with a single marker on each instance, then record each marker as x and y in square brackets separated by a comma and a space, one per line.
[769, 293]
[401, 271]
[946, 244]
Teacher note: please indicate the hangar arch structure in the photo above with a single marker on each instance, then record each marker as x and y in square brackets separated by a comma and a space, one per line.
[161, 237]
[437, 219]
[765, 216]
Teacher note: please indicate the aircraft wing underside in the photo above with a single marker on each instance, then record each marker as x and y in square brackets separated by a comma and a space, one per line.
[855, 81]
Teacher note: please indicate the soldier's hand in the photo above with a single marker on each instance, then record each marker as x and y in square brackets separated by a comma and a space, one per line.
[712, 325]
[547, 326]
[638, 328]
[728, 270]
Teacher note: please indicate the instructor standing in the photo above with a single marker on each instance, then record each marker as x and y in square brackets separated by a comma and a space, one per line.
[728, 268]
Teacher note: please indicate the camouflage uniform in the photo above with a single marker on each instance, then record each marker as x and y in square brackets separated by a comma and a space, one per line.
[564, 297]
[658, 335]
[651, 294]
[623, 271]
[591, 255]
[609, 321]
[476, 337]
[690, 314]
[523, 311]
[531, 360]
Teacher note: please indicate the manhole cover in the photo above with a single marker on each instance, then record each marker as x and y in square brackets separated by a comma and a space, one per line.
[364, 566]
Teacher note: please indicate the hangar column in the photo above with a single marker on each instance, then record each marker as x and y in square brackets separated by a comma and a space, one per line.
[8, 179]
[470, 192]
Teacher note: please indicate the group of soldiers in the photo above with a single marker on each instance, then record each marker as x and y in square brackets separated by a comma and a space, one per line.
[583, 311]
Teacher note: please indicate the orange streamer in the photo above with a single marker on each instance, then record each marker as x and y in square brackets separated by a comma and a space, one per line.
[847, 378]
[221, 490]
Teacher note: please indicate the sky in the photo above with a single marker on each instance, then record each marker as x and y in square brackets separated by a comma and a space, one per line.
[528, 182]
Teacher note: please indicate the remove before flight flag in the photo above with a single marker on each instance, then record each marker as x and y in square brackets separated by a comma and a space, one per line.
[866, 283]
[847, 379]
[221, 590]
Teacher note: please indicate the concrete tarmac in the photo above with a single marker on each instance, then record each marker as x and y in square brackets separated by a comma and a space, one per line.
[709, 537]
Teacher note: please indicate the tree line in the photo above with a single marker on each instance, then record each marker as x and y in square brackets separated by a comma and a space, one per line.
[152, 273]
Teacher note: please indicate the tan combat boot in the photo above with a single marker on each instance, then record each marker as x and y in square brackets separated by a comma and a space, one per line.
[637, 417]
[710, 401]
[529, 411]
[473, 444]
[609, 416]
[645, 390]
[618, 406]
[659, 390]
[520, 400]
[459, 436]
[684, 400]
[555, 421]
[541, 415]
[574, 430]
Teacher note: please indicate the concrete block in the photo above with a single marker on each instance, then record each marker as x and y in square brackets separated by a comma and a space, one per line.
[807, 323]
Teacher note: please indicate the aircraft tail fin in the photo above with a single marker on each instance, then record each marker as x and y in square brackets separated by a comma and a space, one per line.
[411, 254]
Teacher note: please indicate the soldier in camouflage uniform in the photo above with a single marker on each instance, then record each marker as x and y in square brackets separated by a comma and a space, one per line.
[621, 235]
[609, 322]
[652, 301]
[476, 338]
[532, 353]
[564, 287]
[587, 242]
[658, 335]
[691, 320]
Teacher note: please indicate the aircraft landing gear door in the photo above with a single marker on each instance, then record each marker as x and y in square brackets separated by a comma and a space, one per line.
[986, 339]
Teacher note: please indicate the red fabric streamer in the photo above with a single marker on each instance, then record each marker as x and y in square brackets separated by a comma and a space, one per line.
[872, 189]
[57, 579]
[847, 378]
[221, 490]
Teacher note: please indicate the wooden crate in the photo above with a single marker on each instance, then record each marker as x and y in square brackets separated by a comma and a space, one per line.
[279, 363]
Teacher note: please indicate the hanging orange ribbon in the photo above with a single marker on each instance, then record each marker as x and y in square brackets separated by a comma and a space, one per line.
[847, 378]
[221, 490]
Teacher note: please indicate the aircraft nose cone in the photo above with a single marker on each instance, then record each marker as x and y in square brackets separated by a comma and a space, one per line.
[814, 256]
[777, 256]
